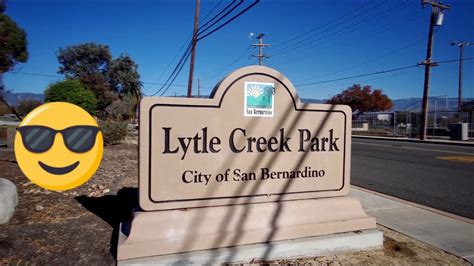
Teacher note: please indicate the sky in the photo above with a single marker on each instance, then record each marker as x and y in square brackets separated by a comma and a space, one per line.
[318, 45]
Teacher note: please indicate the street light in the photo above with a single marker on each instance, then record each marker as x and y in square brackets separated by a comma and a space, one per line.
[461, 45]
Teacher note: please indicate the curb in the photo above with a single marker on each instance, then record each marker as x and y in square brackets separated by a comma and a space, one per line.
[444, 142]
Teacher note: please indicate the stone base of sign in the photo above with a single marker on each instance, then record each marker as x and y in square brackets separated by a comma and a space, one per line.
[285, 249]
[177, 231]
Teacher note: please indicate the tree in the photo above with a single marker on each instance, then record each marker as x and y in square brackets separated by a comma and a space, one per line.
[4, 109]
[13, 48]
[97, 83]
[123, 76]
[88, 62]
[71, 91]
[85, 59]
[362, 99]
[13, 43]
[26, 106]
[110, 79]
[2, 6]
[122, 109]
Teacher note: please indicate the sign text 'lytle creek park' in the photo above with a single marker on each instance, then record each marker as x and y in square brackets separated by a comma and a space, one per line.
[253, 141]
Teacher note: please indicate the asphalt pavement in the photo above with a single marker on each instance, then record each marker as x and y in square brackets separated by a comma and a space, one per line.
[440, 176]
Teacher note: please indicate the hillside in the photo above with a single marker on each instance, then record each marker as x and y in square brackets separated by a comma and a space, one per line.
[413, 104]
[14, 98]
[405, 104]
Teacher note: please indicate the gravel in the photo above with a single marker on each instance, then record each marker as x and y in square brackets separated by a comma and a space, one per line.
[80, 226]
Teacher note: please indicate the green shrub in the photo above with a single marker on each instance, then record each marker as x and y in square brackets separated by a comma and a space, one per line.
[113, 131]
[71, 91]
[26, 106]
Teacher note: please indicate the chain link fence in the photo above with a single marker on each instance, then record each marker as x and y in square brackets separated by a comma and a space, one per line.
[408, 124]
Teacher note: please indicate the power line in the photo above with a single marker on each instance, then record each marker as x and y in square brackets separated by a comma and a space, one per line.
[338, 32]
[366, 35]
[230, 20]
[353, 25]
[210, 12]
[307, 40]
[186, 53]
[370, 60]
[352, 12]
[201, 31]
[177, 68]
[366, 80]
[160, 83]
[377, 72]
[453, 60]
[35, 74]
[182, 85]
[185, 56]
[196, 33]
[174, 85]
[297, 85]
[59, 76]
[358, 76]
[188, 39]
[245, 54]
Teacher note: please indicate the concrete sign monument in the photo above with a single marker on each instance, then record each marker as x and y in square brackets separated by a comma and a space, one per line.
[252, 164]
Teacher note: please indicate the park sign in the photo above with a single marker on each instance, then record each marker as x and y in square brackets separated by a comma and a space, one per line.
[252, 141]
[252, 164]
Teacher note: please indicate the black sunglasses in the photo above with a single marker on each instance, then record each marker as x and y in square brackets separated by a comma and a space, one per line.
[77, 139]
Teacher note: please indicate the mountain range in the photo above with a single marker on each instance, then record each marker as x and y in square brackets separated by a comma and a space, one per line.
[414, 104]
[405, 104]
[14, 98]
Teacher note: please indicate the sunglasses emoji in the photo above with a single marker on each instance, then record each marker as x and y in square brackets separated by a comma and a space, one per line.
[58, 146]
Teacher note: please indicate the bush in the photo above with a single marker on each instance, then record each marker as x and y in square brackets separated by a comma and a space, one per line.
[71, 91]
[26, 106]
[122, 109]
[113, 131]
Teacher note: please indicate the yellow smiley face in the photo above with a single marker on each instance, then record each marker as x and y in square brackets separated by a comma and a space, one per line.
[58, 146]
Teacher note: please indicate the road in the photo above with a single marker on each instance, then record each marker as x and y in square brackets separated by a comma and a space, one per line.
[435, 175]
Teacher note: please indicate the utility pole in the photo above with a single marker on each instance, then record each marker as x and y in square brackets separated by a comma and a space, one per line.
[193, 49]
[461, 45]
[436, 19]
[260, 46]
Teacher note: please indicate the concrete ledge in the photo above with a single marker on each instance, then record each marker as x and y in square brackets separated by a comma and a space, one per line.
[159, 233]
[430, 141]
[296, 248]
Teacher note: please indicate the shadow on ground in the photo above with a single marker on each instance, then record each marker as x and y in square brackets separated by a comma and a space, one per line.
[113, 209]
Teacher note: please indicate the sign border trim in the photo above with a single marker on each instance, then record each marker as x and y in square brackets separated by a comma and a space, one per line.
[219, 106]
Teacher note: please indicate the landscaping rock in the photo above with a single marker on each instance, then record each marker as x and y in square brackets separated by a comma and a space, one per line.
[8, 200]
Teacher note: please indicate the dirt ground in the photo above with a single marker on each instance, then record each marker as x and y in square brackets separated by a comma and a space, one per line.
[80, 226]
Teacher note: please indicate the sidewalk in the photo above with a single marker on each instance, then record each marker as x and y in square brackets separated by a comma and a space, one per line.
[449, 234]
